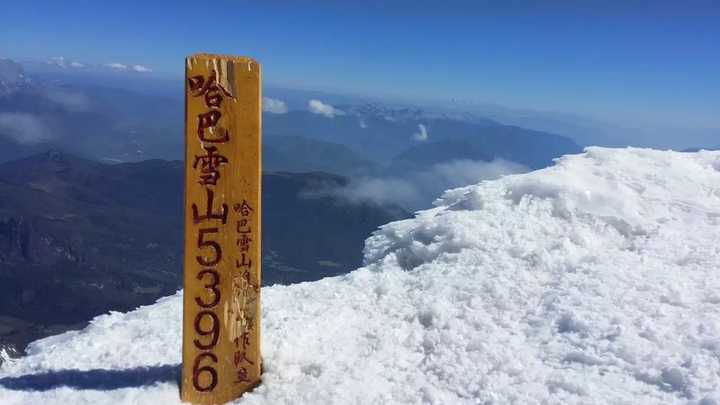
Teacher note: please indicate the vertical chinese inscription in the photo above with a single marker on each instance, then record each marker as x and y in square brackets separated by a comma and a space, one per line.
[221, 306]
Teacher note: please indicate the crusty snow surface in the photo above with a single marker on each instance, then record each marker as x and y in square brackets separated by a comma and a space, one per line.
[595, 281]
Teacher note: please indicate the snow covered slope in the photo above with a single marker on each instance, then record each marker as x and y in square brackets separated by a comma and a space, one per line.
[591, 282]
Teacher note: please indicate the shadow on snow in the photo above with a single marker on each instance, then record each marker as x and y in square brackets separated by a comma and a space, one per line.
[94, 379]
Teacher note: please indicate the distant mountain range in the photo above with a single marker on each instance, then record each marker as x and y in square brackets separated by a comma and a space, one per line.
[79, 238]
[120, 118]
[385, 136]
[699, 149]
[84, 118]
[301, 154]
[532, 149]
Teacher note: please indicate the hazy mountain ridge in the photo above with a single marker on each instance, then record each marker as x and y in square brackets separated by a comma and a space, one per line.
[699, 149]
[413, 114]
[533, 149]
[302, 154]
[380, 139]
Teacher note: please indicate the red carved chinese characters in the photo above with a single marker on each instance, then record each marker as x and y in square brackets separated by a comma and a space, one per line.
[209, 214]
[246, 291]
[208, 220]
[213, 95]
[209, 166]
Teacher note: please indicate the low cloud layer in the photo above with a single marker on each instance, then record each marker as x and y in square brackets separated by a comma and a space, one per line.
[118, 66]
[141, 69]
[68, 100]
[403, 192]
[274, 106]
[318, 107]
[26, 129]
[422, 134]
[418, 190]
[124, 67]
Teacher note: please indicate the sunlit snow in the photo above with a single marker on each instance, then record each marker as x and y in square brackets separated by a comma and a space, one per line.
[591, 282]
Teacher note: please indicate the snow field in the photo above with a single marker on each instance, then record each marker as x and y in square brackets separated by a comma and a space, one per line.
[594, 281]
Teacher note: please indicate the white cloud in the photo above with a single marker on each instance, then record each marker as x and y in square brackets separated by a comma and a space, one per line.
[274, 106]
[318, 107]
[141, 69]
[62, 62]
[382, 191]
[58, 61]
[124, 67]
[422, 134]
[118, 66]
[24, 128]
[417, 190]
[363, 124]
[70, 101]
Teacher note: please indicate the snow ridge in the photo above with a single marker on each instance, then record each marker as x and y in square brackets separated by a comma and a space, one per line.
[593, 281]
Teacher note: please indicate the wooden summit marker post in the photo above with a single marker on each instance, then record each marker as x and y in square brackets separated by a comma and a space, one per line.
[221, 304]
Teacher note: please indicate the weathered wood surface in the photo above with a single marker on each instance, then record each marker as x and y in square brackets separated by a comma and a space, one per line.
[221, 307]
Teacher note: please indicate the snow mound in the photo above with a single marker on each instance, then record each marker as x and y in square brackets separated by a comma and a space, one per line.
[593, 281]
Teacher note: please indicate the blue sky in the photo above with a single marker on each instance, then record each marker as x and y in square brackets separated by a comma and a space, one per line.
[653, 61]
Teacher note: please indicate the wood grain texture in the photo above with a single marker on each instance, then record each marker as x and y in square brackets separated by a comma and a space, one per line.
[221, 304]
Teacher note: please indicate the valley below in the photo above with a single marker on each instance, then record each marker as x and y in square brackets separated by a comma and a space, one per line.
[80, 238]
